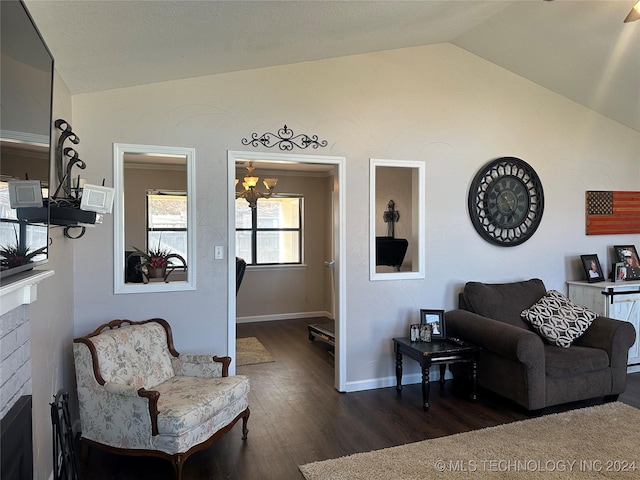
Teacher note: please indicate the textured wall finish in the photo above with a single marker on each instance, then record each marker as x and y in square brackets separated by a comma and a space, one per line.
[438, 104]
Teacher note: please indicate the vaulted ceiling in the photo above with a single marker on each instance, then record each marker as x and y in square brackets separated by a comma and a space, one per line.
[579, 49]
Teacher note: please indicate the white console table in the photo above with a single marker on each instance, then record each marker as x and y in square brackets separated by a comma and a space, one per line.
[619, 300]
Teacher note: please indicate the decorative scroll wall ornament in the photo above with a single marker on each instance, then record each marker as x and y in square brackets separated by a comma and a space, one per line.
[390, 217]
[64, 173]
[285, 140]
[71, 198]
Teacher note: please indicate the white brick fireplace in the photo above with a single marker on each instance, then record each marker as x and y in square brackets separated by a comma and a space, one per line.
[15, 347]
[16, 404]
[15, 352]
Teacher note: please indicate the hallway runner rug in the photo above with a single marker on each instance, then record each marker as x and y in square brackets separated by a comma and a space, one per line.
[249, 351]
[588, 443]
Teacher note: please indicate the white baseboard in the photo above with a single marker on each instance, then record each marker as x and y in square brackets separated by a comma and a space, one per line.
[434, 375]
[283, 316]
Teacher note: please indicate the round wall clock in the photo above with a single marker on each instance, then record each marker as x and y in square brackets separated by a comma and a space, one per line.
[506, 201]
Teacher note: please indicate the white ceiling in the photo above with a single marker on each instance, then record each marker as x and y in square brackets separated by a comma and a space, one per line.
[580, 49]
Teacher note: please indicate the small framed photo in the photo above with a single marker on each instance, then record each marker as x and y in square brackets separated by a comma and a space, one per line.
[592, 268]
[435, 318]
[620, 272]
[414, 333]
[628, 256]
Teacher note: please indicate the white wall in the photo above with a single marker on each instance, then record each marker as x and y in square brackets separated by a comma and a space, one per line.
[438, 104]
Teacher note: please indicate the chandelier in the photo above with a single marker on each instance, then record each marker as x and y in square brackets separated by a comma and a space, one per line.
[250, 193]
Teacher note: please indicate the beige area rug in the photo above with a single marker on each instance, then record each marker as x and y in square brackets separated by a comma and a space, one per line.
[589, 443]
[249, 351]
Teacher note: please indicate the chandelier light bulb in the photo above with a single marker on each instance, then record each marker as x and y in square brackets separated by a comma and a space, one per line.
[251, 181]
[634, 14]
[270, 183]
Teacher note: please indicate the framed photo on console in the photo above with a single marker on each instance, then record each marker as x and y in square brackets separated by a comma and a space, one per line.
[619, 272]
[435, 318]
[592, 268]
[628, 255]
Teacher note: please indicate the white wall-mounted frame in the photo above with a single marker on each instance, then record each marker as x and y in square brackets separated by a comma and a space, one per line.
[96, 198]
[25, 193]
[417, 230]
[119, 151]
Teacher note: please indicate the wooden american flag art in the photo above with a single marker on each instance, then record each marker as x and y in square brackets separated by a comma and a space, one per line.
[610, 212]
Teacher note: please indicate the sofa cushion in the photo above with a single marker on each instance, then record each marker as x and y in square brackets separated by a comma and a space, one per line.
[557, 319]
[503, 301]
[561, 362]
[186, 402]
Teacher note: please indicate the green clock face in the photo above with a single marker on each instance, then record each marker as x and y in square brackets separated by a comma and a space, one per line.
[506, 201]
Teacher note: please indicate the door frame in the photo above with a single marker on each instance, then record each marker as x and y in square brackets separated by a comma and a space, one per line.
[339, 248]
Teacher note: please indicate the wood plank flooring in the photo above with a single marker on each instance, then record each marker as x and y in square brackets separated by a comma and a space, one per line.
[298, 417]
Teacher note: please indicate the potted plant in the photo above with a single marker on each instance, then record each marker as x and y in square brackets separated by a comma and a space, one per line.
[16, 254]
[154, 263]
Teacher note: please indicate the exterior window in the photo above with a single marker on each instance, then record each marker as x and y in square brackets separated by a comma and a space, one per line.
[270, 234]
[167, 222]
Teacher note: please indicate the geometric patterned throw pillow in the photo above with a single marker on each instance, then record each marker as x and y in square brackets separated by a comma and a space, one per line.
[557, 319]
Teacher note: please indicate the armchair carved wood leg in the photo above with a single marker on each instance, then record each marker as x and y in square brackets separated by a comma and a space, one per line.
[178, 463]
[245, 419]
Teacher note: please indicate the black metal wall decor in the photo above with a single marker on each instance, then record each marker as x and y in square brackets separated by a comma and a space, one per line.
[64, 458]
[67, 206]
[65, 210]
[64, 173]
[285, 140]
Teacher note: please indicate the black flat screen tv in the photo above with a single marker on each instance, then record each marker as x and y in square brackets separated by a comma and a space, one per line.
[26, 99]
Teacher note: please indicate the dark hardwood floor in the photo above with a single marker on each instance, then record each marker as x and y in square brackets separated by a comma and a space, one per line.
[298, 417]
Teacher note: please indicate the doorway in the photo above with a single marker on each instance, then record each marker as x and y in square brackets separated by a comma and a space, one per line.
[339, 244]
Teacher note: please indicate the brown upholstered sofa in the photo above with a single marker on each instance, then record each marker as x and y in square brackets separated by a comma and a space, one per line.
[518, 364]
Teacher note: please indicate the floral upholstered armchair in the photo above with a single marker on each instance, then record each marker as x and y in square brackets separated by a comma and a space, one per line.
[138, 396]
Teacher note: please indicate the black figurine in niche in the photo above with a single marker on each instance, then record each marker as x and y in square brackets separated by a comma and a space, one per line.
[390, 217]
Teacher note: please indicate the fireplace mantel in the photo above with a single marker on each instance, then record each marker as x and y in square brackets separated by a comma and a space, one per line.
[22, 289]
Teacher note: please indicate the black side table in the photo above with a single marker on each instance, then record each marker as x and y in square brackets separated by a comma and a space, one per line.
[437, 352]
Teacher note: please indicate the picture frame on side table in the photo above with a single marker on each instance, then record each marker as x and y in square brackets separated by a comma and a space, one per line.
[435, 318]
[628, 255]
[592, 268]
[620, 272]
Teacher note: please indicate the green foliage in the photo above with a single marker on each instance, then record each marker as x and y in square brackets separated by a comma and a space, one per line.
[17, 254]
